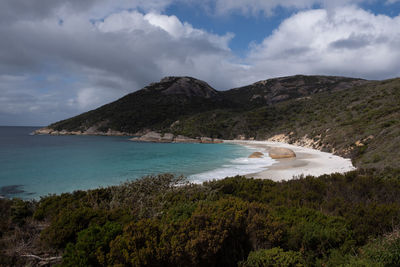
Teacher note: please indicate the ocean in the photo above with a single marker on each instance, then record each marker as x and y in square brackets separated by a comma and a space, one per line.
[36, 165]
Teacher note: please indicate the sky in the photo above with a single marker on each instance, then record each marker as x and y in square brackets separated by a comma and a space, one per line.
[59, 58]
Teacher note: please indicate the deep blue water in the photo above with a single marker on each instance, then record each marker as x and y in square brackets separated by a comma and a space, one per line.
[36, 165]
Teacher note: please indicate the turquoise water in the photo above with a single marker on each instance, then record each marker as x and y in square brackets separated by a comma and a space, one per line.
[36, 165]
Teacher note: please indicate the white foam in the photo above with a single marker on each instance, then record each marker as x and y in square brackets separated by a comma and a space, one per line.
[240, 166]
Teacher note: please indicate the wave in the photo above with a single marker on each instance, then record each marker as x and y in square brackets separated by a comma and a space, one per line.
[240, 166]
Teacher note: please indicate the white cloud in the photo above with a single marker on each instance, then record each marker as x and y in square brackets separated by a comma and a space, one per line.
[109, 58]
[348, 41]
[254, 7]
[90, 98]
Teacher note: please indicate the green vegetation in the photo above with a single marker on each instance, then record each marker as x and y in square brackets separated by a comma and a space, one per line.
[368, 114]
[332, 220]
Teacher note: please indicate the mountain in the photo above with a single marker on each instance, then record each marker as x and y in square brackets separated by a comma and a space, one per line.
[350, 117]
[269, 92]
[158, 105]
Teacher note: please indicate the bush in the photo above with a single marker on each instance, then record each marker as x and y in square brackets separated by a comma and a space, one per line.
[92, 246]
[68, 224]
[273, 257]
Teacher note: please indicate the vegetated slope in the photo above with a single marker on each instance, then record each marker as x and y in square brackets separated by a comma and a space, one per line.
[362, 122]
[159, 105]
[269, 92]
[155, 106]
[327, 221]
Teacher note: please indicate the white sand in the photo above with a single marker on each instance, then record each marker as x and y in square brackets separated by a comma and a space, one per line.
[307, 162]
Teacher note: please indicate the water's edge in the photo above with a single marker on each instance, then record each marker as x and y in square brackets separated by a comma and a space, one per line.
[33, 166]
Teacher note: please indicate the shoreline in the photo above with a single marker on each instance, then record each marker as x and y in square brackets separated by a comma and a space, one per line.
[307, 161]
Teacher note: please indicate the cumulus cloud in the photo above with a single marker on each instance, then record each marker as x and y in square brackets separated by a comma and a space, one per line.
[267, 7]
[105, 58]
[349, 41]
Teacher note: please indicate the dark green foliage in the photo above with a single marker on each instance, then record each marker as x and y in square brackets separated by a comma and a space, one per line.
[69, 223]
[92, 246]
[383, 251]
[21, 210]
[326, 221]
[274, 257]
[217, 233]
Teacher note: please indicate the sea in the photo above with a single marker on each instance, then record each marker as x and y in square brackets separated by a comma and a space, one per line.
[32, 166]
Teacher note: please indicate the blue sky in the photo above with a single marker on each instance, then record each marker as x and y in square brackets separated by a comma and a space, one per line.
[104, 49]
[247, 28]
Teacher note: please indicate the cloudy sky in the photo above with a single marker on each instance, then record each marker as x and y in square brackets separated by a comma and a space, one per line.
[59, 58]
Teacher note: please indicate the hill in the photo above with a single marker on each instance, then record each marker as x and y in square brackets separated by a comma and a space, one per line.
[361, 122]
[350, 117]
[158, 105]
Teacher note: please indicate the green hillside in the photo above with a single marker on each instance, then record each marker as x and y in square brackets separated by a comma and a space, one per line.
[335, 121]
[152, 107]
[159, 105]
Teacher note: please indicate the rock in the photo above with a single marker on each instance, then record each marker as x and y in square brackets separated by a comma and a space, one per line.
[174, 124]
[206, 140]
[359, 143]
[279, 138]
[241, 137]
[281, 153]
[187, 86]
[149, 137]
[167, 137]
[184, 139]
[44, 130]
[92, 130]
[256, 155]
[114, 133]
[217, 141]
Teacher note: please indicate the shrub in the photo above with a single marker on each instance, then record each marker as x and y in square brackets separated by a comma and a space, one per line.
[273, 257]
[92, 246]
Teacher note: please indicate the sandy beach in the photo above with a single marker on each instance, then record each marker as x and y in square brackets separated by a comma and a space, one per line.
[307, 162]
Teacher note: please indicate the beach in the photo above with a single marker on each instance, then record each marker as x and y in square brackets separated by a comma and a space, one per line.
[307, 161]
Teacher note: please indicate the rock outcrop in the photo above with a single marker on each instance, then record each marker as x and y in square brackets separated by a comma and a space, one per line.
[90, 131]
[281, 153]
[256, 155]
[187, 86]
[185, 139]
[169, 138]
